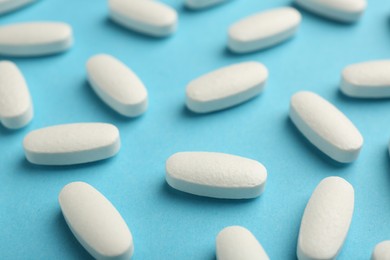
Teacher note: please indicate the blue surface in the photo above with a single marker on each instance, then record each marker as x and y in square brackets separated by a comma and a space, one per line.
[168, 224]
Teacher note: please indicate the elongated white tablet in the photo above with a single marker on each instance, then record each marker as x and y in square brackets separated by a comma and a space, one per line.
[147, 16]
[338, 10]
[226, 87]
[367, 80]
[200, 4]
[72, 143]
[35, 38]
[263, 30]
[11, 5]
[237, 242]
[117, 85]
[325, 126]
[326, 220]
[95, 222]
[216, 175]
[16, 109]
[381, 251]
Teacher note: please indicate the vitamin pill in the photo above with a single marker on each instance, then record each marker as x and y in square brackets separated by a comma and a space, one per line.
[147, 16]
[95, 222]
[367, 80]
[326, 220]
[16, 109]
[237, 242]
[263, 30]
[117, 85]
[226, 87]
[72, 143]
[11, 5]
[199, 4]
[216, 175]
[325, 126]
[381, 251]
[339, 10]
[35, 38]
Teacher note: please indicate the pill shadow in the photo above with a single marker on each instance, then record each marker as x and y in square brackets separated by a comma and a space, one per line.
[7, 132]
[184, 9]
[372, 101]
[68, 239]
[19, 9]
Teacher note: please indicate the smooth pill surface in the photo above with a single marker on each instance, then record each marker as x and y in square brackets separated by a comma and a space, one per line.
[367, 80]
[199, 4]
[16, 109]
[95, 222]
[339, 10]
[117, 85]
[226, 87]
[72, 143]
[326, 220]
[216, 175]
[35, 38]
[325, 126]
[11, 5]
[381, 251]
[147, 16]
[237, 242]
[263, 30]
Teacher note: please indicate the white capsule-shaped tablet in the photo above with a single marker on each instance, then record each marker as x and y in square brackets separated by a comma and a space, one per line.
[325, 126]
[95, 222]
[381, 251]
[71, 143]
[263, 30]
[117, 85]
[237, 242]
[226, 87]
[338, 10]
[367, 80]
[147, 16]
[16, 109]
[216, 175]
[200, 4]
[326, 220]
[35, 38]
[11, 5]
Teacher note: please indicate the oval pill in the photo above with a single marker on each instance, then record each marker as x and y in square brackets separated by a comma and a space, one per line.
[117, 85]
[16, 109]
[200, 4]
[72, 143]
[325, 126]
[11, 5]
[381, 251]
[35, 38]
[226, 87]
[338, 10]
[147, 16]
[237, 242]
[367, 80]
[95, 222]
[326, 220]
[263, 30]
[216, 175]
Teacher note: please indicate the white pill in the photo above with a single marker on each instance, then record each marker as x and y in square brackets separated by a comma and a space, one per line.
[11, 5]
[326, 220]
[263, 30]
[72, 143]
[216, 175]
[117, 85]
[367, 80]
[16, 109]
[226, 87]
[35, 38]
[95, 222]
[339, 10]
[147, 16]
[325, 126]
[200, 4]
[237, 242]
[381, 251]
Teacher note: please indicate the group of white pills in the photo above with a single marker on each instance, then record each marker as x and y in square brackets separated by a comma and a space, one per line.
[96, 223]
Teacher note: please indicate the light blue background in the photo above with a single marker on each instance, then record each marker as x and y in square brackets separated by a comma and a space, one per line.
[168, 224]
